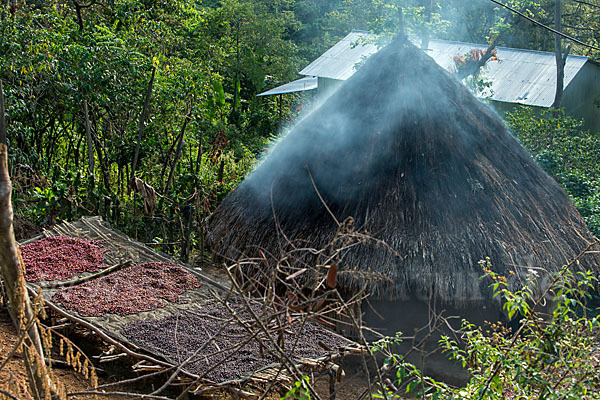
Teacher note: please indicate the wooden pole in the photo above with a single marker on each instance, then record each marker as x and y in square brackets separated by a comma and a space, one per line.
[13, 275]
[188, 214]
[2, 113]
[401, 30]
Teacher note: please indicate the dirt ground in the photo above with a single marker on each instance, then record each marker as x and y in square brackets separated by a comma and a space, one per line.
[15, 371]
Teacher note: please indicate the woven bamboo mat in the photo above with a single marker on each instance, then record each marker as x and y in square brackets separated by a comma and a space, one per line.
[119, 249]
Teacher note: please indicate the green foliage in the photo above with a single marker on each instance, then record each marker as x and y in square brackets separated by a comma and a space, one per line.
[234, 170]
[547, 357]
[300, 390]
[211, 59]
[567, 152]
[49, 65]
[410, 381]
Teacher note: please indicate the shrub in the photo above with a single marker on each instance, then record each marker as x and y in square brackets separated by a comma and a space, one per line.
[567, 152]
[546, 357]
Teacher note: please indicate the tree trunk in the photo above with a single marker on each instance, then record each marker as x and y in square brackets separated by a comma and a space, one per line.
[237, 68]
[428, 10]
[2, 113]
[51, 148]
[167, 157]
[77, 152]
[177, 154]
[198, 161]
[561, 59]
[221, 171]
[141, 129]
[90, 145]
[78, 13]
[119, 179]
[103, 158]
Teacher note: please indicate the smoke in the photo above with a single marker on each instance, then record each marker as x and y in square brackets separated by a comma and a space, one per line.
[331, 149]
[351, 145]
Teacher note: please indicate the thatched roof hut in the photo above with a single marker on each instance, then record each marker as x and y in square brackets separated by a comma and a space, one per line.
[421, 164]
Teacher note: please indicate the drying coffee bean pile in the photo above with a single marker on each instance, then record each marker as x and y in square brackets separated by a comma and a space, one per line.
[178, 337]
[142, 287]
[60, 258]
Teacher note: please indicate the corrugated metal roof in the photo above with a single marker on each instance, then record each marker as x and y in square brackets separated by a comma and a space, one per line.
[340, 61]
[519, 76]
[301, 85]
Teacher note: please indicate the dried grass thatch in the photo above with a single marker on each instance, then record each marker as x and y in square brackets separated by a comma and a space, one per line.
[423, 165]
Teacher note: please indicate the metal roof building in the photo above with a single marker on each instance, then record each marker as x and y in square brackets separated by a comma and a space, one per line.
[334, 66]
[528, 78]
[518, 76]
[344, 58]
[300, 85]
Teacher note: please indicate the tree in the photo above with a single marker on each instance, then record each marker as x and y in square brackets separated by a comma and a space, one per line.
[254, 38]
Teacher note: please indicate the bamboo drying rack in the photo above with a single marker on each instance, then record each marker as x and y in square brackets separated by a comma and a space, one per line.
[121, 251]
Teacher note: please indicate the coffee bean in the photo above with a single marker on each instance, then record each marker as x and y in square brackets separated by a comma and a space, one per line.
[178, 336]
[60, 258]
[142, 287]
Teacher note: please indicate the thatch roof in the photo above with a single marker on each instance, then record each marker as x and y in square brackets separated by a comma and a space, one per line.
[420, 163]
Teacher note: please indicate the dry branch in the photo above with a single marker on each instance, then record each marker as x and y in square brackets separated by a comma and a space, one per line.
[84, 279]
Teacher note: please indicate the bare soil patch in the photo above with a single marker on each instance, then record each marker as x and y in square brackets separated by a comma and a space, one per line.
[14, 371]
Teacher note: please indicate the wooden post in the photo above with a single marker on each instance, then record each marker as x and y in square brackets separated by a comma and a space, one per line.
[135, 221]
[13, 275]
[116, 211]
[332, 376]
[170, 231]
[188, 212]
[147, 228]
[401, 30]
[200, 228]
